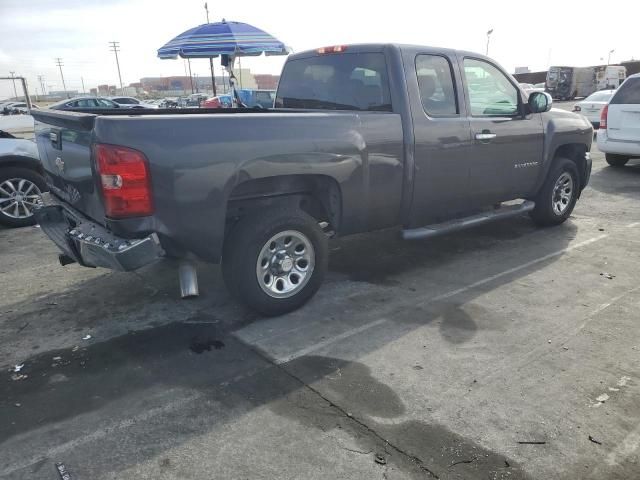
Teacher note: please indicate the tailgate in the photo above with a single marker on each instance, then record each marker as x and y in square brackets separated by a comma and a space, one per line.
[64, 143]
[623, 119]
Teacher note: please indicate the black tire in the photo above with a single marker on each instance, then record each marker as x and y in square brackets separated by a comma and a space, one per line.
[544, 213]
[242, 249]
[616, 160]
[32, 176]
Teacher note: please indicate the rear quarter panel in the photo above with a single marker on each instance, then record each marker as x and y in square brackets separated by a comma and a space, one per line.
[197, 160]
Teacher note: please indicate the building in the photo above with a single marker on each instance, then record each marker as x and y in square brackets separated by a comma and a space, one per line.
[520, 70]
[266, 81]
[63, 93]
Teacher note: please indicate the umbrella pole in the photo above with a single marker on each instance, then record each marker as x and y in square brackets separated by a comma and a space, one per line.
[213, 77]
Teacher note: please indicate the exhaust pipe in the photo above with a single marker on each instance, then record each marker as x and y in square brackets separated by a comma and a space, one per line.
[188, 279]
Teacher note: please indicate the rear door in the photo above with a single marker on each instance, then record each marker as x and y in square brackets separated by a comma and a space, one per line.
[506, 157]
[442, 138]
[623, 119]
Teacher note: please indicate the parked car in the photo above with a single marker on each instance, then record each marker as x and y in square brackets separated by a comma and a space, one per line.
[10, 108]
[21, 180]
[250, 98]
[342, 152]
[221, 101]
[131, 102]
[591, 107]
[84, 103]
[619, 133]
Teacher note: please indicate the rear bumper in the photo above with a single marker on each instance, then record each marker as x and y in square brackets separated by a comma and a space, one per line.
[617, 147]
[91, 244]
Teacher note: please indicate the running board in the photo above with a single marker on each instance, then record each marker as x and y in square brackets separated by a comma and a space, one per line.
[467, 222]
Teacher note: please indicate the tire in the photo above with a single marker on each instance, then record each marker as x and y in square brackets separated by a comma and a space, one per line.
[280, 283]
[557, 197]
[616, 160]
[14, 176]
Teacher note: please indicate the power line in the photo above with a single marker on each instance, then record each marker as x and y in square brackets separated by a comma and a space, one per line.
[60, 64]
[115, 48]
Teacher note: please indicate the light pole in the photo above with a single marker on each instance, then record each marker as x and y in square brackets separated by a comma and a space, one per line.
[64, 86]
[15, 92]
[609, 57]
[115, 48]
[488, 39]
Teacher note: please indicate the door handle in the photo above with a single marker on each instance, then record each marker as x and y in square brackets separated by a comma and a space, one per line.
[56, 140]
[485, 136]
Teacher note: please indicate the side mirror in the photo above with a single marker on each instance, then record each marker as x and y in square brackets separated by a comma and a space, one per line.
[540, 102]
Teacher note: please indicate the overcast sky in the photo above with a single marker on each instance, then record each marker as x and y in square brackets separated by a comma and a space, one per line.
[34, 32]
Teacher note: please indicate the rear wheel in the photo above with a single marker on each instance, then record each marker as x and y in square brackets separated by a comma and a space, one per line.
[616, 160]
[275, 261]
[558, 195]
[20, 191]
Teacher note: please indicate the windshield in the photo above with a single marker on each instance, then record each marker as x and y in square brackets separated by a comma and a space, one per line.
[599, 97]
[336, 82]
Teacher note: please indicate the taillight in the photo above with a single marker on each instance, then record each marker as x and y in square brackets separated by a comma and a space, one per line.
[603, 117]
[334, 49]
[125, 179]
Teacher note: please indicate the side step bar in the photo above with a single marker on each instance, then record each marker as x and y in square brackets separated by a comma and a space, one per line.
[462, 223]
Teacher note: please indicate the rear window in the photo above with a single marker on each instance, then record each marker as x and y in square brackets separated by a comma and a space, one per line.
[628, 93]
[348, 81]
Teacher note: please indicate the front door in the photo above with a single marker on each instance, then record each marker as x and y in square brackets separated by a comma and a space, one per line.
[506, 157]
[442, 139]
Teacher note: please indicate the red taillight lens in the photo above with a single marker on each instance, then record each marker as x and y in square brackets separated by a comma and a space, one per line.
[603, 117]
[125, 179]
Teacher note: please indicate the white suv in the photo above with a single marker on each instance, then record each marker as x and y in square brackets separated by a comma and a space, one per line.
[619, 133]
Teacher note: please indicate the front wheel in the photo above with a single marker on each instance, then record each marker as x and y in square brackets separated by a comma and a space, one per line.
[616, 160]
[558, 195]
[275, 261]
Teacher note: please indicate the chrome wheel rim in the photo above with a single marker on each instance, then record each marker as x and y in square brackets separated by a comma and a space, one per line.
[562, 193]
[285, 264]
[19, 197]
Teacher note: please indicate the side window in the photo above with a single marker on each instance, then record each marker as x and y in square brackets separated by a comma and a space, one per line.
[437, 90]
[628, 93]
[490, 91]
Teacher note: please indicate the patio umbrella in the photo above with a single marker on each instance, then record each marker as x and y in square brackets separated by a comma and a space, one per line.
[226, 39]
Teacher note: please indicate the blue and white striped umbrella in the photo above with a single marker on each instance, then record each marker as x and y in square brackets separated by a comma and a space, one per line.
[235, 39]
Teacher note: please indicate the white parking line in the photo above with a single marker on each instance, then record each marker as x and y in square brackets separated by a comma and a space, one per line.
[354, 331]
[55, 452]
[634, 224]
[491, 278]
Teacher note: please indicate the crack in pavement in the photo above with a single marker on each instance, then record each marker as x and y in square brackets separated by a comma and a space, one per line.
[408, 456]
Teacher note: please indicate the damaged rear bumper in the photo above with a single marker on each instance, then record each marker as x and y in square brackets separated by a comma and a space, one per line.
[89, 243]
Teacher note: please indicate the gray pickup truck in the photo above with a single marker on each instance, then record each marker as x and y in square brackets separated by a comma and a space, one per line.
[361, 138]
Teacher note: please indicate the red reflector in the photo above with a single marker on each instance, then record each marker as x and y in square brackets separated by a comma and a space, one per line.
[603, 117]
[334, 49]
[125, 180]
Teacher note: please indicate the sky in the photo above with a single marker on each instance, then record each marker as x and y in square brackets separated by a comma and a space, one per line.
[33, 33]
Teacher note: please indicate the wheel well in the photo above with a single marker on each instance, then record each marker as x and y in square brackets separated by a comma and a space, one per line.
[318, 195]
[575, 152]
[21, 162]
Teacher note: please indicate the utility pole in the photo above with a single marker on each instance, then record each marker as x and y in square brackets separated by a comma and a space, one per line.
[41, 80]
[488, 39]
[609, 58]
[83, 90]
[213, 76]
[206, 7]
[64, 85]
[190, 76]
[115, 48]
[15, 92]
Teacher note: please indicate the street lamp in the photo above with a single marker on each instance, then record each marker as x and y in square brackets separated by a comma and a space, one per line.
[609, 57]
[488, 38]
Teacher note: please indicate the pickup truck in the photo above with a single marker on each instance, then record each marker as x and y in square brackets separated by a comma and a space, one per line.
[362, 138]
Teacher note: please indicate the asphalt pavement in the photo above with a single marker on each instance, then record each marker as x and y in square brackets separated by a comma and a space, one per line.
[506, 351]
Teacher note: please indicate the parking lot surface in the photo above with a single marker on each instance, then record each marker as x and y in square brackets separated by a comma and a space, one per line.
[506, 351]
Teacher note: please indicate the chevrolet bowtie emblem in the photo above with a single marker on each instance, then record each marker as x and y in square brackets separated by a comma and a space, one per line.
[60, 164]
